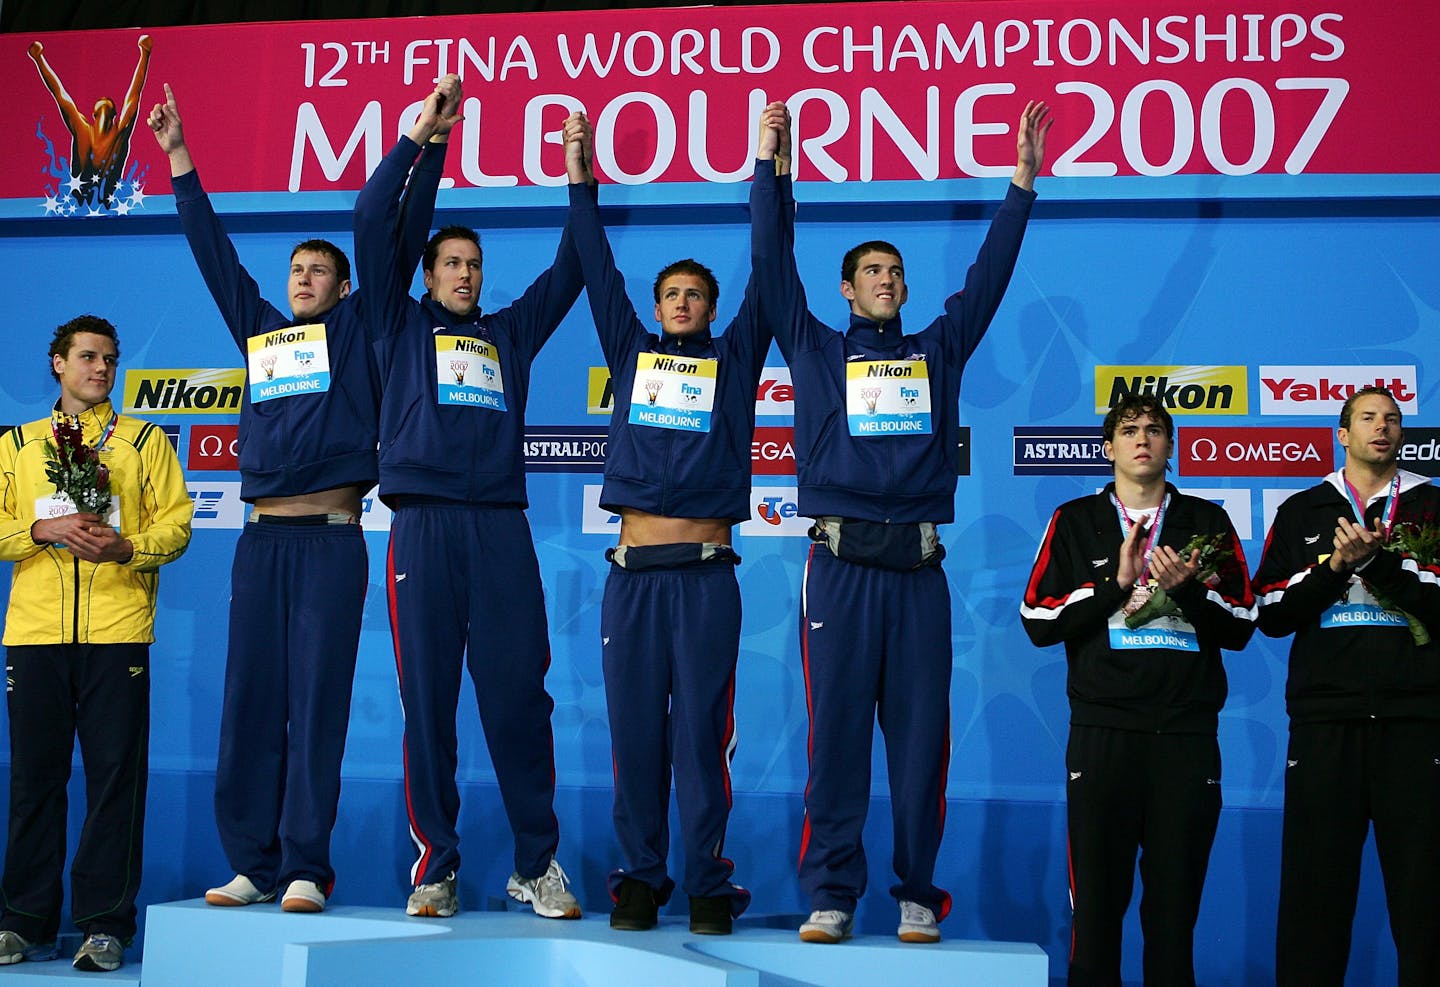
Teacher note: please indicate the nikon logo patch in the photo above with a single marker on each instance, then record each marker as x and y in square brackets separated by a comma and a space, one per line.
[1182, 390]
[184, 392]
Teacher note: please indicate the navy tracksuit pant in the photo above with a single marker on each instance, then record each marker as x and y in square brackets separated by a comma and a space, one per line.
[1156, 794]
[670, 640]
[465, 586]
[297, 596]
[874, 640]
[100, 692]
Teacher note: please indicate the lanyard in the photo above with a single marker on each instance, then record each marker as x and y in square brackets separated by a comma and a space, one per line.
[105, 433]
[1392, 500]
[1126, 524]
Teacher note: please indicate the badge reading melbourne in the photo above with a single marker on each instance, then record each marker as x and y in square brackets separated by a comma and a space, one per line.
[673, 392]
[888, 397]
[468, 373]
[289, 361]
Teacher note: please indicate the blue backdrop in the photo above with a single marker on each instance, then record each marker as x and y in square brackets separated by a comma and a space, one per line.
[1180, 280]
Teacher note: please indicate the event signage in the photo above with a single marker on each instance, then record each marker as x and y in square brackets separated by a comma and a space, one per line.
[879, 92]
[1323, 390]
[1256, 451]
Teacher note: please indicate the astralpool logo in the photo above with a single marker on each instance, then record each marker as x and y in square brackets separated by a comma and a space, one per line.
[184, 392]
[1060, 450]
[565, 448]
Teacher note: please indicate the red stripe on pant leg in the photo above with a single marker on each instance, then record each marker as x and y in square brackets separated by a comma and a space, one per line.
[425, 854]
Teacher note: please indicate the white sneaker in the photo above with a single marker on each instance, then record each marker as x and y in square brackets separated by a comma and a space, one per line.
[827, 925]
[303, 896]
[240, 891]
[438, 900]
[917, 923]
[547, 894]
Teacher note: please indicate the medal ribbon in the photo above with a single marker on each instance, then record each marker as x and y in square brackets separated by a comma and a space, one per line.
[1126, 524]
[1392, 502]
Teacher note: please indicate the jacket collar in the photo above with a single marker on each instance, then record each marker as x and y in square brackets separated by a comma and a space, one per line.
[875, 335]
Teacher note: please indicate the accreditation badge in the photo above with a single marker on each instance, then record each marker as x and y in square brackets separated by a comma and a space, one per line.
[467, 372]
[289, 361]
[1359, 608]
[673, 392]
[888, 397]
[58, 505]
[1170, 632]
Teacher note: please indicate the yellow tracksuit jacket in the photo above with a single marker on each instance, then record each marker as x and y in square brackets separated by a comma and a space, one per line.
[56, 598]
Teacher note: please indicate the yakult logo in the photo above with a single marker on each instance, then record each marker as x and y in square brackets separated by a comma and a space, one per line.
[775, 395]
[1256, 451]
[1323, 390]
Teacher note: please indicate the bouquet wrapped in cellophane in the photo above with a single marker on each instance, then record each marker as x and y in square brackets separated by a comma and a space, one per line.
[74, 466]
[1214, 549]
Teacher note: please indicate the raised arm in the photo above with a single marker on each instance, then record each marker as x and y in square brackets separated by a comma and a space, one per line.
[968, 312]
[774, 279]
[381, 239]
[130, 109]
[750, 333]
[537, 313]
[74, 119]
[417, 208]
[616, 322]
[235, 292]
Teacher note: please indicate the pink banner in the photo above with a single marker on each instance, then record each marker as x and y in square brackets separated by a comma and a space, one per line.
[880, 91]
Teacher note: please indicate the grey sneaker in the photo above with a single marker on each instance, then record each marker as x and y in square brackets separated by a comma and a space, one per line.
[239, 890]
[917, 923]
[547, 894]
[439, 900]
[827, 925]
[99, 953]
[14, 947]
[303, 896]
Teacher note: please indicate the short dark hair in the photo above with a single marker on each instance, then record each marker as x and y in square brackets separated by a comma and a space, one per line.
[1133, 406]
[694, 268]
[432, 249]
[65, 337]
[851, 262]
[336, 255]
[1348, 408]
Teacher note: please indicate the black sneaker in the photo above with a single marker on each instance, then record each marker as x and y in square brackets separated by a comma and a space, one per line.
[636, 909]
[710, 916]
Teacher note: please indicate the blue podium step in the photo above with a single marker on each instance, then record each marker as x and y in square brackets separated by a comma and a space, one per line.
[191, 943]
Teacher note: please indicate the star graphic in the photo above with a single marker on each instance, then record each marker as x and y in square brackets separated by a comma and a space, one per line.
[95, 211]
[52, 205]
[137, 197]
[74, 184]
[122, 208]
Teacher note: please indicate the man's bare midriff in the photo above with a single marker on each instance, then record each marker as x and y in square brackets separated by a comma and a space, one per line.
[340, 500]
[640, 528]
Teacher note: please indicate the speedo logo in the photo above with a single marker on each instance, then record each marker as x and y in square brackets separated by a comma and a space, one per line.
[1191, 390]
[184, 392]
